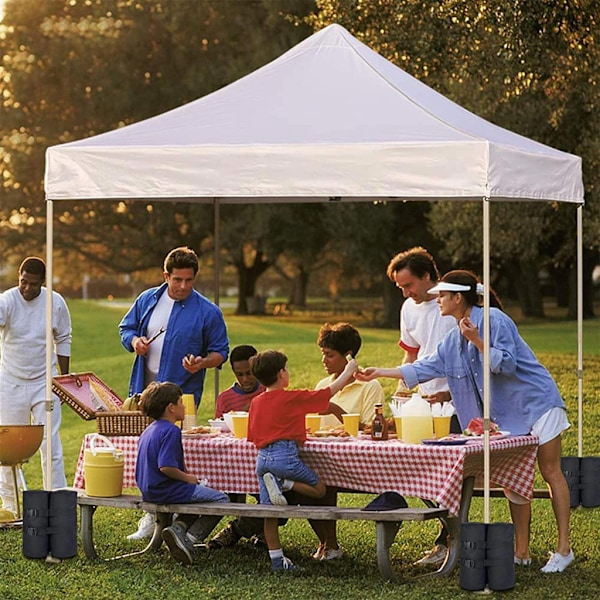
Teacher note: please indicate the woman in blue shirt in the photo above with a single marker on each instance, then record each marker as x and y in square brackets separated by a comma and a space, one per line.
[524, 397]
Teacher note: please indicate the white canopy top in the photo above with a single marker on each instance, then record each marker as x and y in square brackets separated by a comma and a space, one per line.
[329, 118]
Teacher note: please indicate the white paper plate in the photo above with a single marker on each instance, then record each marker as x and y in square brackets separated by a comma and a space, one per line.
[329, 438]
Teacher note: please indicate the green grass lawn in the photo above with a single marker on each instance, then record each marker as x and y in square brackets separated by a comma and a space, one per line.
[243, 572]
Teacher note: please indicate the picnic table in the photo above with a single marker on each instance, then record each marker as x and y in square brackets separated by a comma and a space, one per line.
[360, 464]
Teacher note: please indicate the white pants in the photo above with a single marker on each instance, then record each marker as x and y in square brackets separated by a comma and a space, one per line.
[24, 403]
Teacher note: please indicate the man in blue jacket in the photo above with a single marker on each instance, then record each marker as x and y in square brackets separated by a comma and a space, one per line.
[176, 334]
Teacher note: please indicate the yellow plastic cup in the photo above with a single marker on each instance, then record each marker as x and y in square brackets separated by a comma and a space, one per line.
[313, 422]
[190, 419]
[188, 402]
[351, 422]
[398, 421]
[240, 425]
[441, 426]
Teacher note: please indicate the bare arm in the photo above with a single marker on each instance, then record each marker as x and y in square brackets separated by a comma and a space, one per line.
[178, 474]
[336, 410]
[371, 373]
[345, 376]
[410, 356]
[211, 360]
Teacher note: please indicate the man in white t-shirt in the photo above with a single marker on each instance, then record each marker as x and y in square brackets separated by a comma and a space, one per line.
[422, 328]
[23, 365]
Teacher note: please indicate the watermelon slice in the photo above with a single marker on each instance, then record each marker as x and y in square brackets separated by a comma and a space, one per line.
[475, 427]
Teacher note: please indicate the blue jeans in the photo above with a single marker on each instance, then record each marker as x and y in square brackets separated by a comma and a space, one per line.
[282, 460]
[203, 493]
[201, 527]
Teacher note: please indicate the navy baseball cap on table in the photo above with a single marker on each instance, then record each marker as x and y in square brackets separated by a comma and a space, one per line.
[386, 501]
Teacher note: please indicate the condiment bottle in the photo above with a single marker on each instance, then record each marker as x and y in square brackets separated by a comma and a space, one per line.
[379, 426]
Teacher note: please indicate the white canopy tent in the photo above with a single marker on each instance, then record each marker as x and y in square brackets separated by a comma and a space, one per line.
[329, 119]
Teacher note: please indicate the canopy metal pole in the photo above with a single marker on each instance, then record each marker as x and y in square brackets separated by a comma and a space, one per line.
[580, 330]
[49, 342]
[217, 228]
[486, 360]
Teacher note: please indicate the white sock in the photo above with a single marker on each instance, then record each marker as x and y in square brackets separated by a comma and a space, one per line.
[273, 554]
[287, 485]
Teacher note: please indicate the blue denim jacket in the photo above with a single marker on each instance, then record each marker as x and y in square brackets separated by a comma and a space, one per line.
[196, 326]
[522, 389]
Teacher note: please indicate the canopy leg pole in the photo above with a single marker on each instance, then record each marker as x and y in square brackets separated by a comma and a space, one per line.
[217, 228]
[49, 341]
[580, 330]
[486, 360]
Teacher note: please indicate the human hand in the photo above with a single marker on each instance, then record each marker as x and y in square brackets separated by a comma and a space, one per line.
[366, 374]
[351, 365]
[439, 398]
[140, 345]
[192, 363]
[468, 329]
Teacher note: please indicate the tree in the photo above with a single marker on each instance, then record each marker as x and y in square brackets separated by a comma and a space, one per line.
[74, 68]
[527, 66]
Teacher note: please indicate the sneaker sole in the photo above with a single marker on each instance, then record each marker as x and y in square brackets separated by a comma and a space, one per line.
[275, 495]
[177, 549]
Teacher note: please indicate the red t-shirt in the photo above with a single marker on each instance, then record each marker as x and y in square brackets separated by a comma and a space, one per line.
[279, 414]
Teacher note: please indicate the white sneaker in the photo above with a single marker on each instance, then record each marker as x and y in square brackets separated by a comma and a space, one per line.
[273, 490]
[145, 528]
[332, 554]
[557, 562]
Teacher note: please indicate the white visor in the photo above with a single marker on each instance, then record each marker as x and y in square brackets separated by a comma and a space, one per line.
[446, 286]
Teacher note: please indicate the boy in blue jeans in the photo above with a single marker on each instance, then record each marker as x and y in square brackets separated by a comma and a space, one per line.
[160, 471]
[276, 425]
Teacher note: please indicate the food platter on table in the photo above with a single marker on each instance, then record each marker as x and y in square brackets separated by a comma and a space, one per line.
[329, 438]
[201, 430]
[456, 439]
[334, 434]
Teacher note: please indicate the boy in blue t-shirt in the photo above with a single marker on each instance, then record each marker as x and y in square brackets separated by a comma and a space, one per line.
[160, 471]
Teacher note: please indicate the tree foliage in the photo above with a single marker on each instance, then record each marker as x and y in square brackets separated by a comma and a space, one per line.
[529, 66]
[75, 68]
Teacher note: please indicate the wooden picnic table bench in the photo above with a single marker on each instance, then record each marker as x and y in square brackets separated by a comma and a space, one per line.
[387, 522]
[499, 492]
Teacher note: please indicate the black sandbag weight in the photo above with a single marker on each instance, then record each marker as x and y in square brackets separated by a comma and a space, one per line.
[500, 551]
[590, 481]
[472, 575]
[49, 523]
[35, 523]
[62, 523]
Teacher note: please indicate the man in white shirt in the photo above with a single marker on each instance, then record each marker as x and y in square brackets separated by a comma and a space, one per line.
[422, 328]
[23, 365]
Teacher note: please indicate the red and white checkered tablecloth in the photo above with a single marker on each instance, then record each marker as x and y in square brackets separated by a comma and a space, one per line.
[421, 471]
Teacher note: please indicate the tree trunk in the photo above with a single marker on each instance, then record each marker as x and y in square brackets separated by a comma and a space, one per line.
[527, 288]
[392, 302]
[300, 288]
[247, 278]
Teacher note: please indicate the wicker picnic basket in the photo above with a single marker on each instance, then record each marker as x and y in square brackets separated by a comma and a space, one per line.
[121, 423]
[86, 392]
[75, 390]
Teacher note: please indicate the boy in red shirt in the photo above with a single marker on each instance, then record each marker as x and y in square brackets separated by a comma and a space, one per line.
[277, 427]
